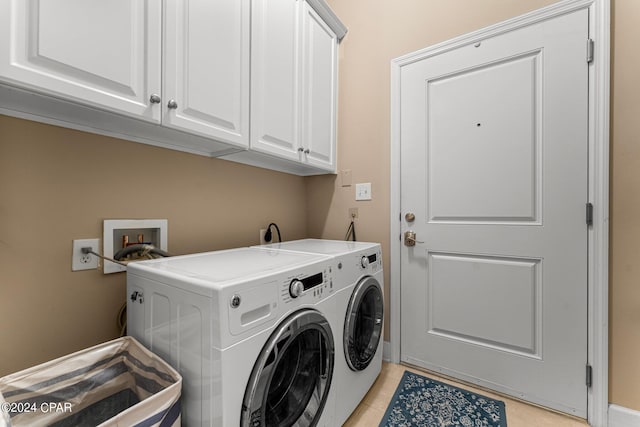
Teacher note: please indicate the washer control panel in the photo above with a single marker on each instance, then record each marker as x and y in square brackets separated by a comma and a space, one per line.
[308, 287]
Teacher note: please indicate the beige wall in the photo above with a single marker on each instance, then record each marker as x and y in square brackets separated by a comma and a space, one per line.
[624, 307]
[382, 30]
[57, 185]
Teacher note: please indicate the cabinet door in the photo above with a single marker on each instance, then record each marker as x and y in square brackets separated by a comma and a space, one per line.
[319, 90]
[206, 68]
[101, 53]
[275, 72]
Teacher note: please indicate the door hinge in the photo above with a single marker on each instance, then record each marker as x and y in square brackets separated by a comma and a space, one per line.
[589, 375]
[589, 214]
[590, 49]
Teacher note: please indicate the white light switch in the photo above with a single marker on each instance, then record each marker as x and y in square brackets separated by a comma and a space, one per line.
[346, 177]
[363, 191]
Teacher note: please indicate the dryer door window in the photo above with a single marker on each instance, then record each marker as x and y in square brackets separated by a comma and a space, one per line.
[363, 324]
[291, 378]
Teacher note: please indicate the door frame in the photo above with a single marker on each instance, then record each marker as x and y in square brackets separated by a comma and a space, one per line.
[598, 182]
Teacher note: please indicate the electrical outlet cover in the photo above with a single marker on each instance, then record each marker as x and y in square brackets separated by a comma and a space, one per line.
[263, 231]
[363, 191]
[80, 261]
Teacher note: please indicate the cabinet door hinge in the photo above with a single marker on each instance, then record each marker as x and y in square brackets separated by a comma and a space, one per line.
[589, 375]
[589, 214]
[590, 49]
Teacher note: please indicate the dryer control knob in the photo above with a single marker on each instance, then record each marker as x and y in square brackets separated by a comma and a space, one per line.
[296, 288]
[364, 262]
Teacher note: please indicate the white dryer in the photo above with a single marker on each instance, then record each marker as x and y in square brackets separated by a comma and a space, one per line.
[251, 332]
[358, 279]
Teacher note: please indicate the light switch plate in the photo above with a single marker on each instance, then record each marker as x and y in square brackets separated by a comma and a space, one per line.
[346, 175]
[363, 191]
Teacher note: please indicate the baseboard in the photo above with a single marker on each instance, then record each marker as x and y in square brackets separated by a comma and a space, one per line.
[620, 416]
[386, 351]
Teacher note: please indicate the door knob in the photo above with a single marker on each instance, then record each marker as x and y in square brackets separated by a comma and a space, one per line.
[410, 238]
[155, 99]
[172, 104]
[410, 216]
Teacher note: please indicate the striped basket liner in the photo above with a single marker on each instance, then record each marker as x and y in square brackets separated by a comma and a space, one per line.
[118, 383]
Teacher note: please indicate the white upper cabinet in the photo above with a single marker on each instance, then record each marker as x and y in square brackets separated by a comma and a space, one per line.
[275, 73]
[319, 68]
[206, 68]
[253, 81]
[102, 53]
[108, 54]
[293, 84]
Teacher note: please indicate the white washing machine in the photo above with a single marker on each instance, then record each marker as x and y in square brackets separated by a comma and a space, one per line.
[251, 332]
[358, 279]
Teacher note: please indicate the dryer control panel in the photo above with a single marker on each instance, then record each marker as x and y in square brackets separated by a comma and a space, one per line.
[371, 262]
[353, 266]
[368, 260]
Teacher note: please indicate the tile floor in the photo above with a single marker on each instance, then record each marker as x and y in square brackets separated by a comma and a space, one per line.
[519, 414]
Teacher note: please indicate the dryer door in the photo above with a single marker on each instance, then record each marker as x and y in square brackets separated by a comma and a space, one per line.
[363, 324]
[290, 381]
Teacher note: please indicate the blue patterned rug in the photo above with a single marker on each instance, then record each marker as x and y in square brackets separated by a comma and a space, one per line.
[421, 401]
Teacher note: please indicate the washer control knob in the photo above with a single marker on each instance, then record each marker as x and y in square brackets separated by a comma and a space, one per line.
[364, 262]
[296, 288]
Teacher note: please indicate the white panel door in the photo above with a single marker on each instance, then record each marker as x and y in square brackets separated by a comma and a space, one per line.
[494, 168]
[320, 47]
[107, 55]
[275, 73]
[206, 68]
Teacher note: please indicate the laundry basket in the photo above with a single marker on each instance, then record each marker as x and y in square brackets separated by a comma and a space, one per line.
[118, 383]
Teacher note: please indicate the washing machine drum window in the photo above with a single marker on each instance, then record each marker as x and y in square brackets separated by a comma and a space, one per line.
[291, 378]
[363, 324]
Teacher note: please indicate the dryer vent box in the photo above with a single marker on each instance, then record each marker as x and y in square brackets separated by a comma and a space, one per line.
[118, 233]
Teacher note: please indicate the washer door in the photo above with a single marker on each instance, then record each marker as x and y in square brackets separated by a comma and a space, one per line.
[290, 381]
[363, 324]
